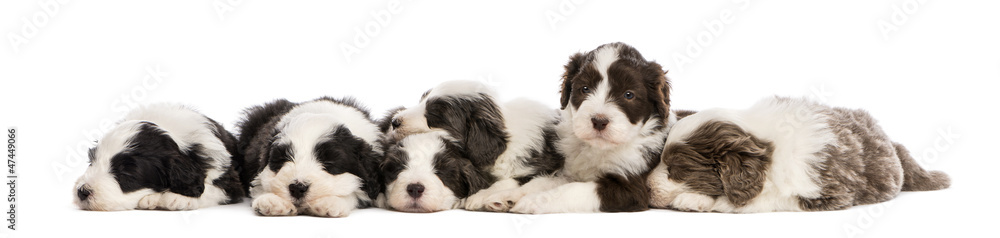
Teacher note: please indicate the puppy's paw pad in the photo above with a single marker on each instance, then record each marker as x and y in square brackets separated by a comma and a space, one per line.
[503, 202]
[272, 205]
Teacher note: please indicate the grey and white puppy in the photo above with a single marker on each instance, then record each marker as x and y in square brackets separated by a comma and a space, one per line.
[783, 154]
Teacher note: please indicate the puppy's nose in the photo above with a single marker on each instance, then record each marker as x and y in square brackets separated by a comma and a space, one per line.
[600, 122]
[298, 189]
[415, 190]
[396, 122]
[83, 193]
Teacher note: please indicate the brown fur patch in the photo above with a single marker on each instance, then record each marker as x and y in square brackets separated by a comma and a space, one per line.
[720, 158]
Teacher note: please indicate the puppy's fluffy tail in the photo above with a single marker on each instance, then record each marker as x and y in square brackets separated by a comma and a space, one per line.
[916, 178]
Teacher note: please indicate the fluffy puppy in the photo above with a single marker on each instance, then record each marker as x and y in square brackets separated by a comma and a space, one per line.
[615, 117]
[783, 155]
[317, 158]
[162, 156]
[473, 144]
[428, 172]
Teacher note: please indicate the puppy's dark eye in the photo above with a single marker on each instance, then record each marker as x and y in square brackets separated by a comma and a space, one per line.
[585, 89]
[629, 95]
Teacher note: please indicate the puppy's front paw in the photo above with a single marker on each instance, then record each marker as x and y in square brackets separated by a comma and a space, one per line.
[332, 206]
[693, 202]
[177, 202]
[271, 205]
[476, 202]
[149, 202]
[503, 201]
[538, 203]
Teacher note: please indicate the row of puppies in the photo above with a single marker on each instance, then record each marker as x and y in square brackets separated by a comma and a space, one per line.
[458, 148]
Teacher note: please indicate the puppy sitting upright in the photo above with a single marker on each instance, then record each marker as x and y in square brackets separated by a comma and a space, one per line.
[161, 156]
[615, 117]
[316, 158]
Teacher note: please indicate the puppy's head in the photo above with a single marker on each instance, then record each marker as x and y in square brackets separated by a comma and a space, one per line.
[464, 109]
[313, 157]
[427, 173]
[135, 159]
[612, 93]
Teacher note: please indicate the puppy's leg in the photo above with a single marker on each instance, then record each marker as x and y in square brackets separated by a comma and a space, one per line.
[477, 202]
[150, 202]
[503, 201]
[662, 190]
[176, 202]
[693, 202]
[269, 204]
[332, 206]
[571, 197]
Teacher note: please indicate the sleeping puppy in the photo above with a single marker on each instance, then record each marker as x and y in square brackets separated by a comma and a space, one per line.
[783, 154]
[161, 156]
[317, 158]
[428, 172]
[615, 117]
[505, 145]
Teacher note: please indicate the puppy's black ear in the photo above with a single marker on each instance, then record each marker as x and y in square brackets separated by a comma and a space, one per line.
[572, 69]
[471, 178]
[372, 182]
[186, 172]
[658, 87]
[475, 122]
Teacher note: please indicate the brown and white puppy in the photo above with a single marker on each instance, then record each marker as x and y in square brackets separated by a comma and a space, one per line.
[783, 155]
[316, 158]
[458, 144]
[615, 117]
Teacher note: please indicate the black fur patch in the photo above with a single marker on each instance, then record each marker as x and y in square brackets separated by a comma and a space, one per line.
[342, 152]
[154, 161]
[458, 173]
[476, 122]
[230, 179]
[256, 135]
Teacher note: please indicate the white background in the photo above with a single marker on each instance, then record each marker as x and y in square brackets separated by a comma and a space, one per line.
[927, 70]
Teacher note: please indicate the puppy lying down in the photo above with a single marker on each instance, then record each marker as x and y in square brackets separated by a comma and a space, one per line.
[162, 156]
[783, 154]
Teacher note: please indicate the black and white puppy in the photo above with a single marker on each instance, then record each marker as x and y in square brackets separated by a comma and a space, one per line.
[317, 158]
[458, 141]
[615, 117]
[162, 156]
[783, 154]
